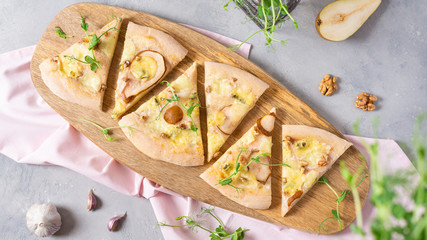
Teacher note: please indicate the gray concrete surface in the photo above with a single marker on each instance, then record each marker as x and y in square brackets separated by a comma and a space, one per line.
[386, 57]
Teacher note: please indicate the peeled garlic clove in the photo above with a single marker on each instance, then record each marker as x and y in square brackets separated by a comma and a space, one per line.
[113, 222]
[91, 201]
[43, 219]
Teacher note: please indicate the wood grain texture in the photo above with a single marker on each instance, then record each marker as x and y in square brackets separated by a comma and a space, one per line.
[306, 215]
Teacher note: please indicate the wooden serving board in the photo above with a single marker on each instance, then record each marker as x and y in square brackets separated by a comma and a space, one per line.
[306, 215]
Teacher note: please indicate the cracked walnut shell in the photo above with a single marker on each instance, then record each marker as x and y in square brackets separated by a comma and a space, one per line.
[328, 85]
[365, 101]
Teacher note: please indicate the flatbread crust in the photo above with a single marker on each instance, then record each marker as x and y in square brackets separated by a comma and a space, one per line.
[253, 192]
[230, 94]
[333, 145]
[74, 81]
[139, 39]
[148, 133]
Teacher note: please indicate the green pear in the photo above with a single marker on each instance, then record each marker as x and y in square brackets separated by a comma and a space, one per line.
[341, 19]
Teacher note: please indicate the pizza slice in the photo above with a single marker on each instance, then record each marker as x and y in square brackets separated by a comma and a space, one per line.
[243, 172]
[309, 152]
[74, 76]
[167, 127]
[148, 55]
[230, 94]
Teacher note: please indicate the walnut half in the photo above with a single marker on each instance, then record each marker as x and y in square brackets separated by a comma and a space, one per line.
[365, 101]
[328, 85]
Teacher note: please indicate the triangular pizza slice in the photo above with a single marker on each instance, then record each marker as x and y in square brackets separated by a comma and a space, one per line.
[167, 127]
[230, 94]
[308, 152]
[74, 76]
[148, 55]
[243, 172]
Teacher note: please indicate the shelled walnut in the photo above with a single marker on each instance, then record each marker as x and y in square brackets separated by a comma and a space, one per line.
[365, 101]
[328, 85]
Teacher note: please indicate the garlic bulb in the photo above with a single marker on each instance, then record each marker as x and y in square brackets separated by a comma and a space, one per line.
[43, 219]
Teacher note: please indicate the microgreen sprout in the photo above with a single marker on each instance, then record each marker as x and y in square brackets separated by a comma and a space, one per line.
[269, 12]
[219, 233]
[237, 168]
[188, 111]
[105, 131]
[88, 60]
[336, 212]
[61, 33]
[94, 41]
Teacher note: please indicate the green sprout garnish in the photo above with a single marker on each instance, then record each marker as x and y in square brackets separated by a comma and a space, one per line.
[336, 212]
[188, 111]
[269, 12]
[94, 41]
[61, 33]
[219, 233]
[105, 131]
[237, 168]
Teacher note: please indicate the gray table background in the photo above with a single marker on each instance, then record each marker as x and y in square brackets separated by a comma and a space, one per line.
[386, 57]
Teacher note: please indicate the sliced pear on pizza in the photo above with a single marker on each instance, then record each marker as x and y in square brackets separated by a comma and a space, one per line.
[148, 55]
[167, 127]
[309, 152]
[243, 172]
[230, 94]
[74, 76]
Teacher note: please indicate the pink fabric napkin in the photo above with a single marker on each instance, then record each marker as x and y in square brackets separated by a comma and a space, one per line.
[33, 133]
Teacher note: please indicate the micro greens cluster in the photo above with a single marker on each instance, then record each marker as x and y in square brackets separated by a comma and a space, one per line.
[348, 178]
[189, 110]
[228, 180]
[105, 131]
[394, 220]
[269, 12]
[219, 234]
[61, 33]
[94, 41]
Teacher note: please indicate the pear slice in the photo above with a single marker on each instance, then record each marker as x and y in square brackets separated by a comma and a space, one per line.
[146, 69]
[341, 19]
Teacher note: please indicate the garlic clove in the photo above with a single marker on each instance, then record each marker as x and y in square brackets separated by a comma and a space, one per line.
[113, 222]
[43, 219]
[91, 201]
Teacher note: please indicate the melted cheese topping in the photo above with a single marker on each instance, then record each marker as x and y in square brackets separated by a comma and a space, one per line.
[244, 96]
[295, 181]
[225, 166]
[243, 180]
[312, 151]
[229, 89]
[302, 156]
[108, 41]
[238, 110]
[129, 51]
[216, 119]
[72, 68]
[144, 68]
[215, 141]
[225, 91]
[185, 140]
[91, 82]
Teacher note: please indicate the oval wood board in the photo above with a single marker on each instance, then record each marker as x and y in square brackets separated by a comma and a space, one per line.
[306, 215]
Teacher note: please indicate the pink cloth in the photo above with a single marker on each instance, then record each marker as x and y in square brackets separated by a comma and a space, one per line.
[33, 133]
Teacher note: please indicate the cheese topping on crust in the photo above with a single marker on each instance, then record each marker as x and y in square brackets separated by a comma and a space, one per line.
[179, 133]
[250, 145]
[302, 155]
[233, 102]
